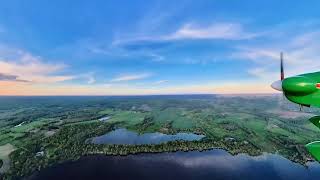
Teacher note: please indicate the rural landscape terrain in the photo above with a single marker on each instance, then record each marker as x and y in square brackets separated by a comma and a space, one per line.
[38, 132]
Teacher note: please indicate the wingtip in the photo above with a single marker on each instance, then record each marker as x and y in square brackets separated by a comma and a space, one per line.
[314, 149]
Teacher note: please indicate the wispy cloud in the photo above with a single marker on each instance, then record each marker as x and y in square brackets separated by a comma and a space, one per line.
[23, 66]
[156, 57]
[227, 31]
[301, 55]
[7, 77]
[161, 82]
[89, 77]
[131, 77]
[193, 31]
[91, 80]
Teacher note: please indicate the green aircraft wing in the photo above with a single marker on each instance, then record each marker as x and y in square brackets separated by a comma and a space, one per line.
[314, 149]
[304, 90]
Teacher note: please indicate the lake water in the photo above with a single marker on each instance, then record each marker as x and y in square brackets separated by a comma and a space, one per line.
[124, 136]
[215, 164]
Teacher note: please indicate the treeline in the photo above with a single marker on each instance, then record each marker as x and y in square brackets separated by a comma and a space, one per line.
[67, 144]
[72, 142]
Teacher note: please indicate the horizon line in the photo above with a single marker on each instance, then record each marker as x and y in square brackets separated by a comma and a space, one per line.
[132, 95]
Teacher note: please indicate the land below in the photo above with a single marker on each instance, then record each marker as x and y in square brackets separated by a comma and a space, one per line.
[38, 132]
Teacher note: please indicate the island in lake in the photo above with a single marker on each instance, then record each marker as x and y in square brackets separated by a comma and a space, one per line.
[39, 135]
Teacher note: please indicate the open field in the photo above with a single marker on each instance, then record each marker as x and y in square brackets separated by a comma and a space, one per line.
[5, 150]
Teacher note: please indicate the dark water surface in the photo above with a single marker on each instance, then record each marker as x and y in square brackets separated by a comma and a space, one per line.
[213, 165]
[124, 136]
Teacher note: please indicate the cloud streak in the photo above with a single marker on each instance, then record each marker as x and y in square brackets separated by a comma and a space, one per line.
[193, 31]
[301, 55]
[161, 82]
[7, 77]
[224, 31]
[20, 66]
[131, 77]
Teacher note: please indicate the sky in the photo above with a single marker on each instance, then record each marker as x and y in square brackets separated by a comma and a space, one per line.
[139, 47]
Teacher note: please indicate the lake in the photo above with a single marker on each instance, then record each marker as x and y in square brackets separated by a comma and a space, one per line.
[124, 136]
[214, 164]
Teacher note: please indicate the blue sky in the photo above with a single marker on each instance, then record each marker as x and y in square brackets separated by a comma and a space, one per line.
[154, 47]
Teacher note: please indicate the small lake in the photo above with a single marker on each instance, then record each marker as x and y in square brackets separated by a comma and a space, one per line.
[208, 165]
[124, 136]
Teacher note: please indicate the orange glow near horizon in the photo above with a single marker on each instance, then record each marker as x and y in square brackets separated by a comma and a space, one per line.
[28, 89]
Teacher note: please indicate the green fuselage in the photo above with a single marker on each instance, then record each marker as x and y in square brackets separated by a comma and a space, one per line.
[303, 89]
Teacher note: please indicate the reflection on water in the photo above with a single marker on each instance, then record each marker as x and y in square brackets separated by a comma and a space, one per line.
[214, 164]
[124, 136]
